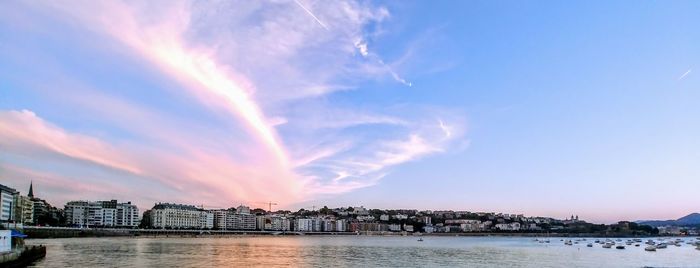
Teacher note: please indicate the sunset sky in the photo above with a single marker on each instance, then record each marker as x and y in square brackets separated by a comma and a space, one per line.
[546, 108]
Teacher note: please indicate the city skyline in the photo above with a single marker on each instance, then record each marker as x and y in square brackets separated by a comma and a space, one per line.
[539, 110]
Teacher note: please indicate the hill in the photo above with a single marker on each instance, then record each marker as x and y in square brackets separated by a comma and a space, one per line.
[690, 219]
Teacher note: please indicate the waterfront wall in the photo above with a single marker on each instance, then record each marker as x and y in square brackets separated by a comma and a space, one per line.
[21, 257]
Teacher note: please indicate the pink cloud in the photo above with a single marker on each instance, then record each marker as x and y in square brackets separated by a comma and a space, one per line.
[230, 76]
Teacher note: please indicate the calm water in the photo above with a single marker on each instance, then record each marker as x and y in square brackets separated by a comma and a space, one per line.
[351, 251]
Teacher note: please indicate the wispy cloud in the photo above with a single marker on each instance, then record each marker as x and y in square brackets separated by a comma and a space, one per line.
[684, 74]
[259, 70]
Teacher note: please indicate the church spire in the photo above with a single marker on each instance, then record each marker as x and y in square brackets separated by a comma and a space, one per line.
[31, 190]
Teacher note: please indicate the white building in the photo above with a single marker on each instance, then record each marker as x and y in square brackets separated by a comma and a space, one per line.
[341, 225]
[400, 216]
[365, 218]
[384, 217]
[515, 226]
[165, 215]
[395, 227]
[305, 225]
[7, 196]
[101, 213]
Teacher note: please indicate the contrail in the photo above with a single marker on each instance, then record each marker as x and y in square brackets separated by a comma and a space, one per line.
[312, 14]
[361, 46]
[686, 73]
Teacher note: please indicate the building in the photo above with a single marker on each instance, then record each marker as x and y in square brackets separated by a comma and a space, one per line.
[24, 210]
[127, 215]
[7, 197]
[514, 226]
[44, 213]
[341, 225]
[368, 227]
[240, 221]
[101, 213]
[220, 218]
[177, 216]
[304, 225]
[395, 227]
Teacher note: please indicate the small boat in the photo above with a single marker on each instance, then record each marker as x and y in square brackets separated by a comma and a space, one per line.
[568, 243]
[661, 245]
[698, 247]
[589, 245]
[620, 247]
[420, 239]
[636, 245]
[607, 245]
[650, 248]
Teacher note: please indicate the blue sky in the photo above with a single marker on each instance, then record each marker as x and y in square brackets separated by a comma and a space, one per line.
[540, 107]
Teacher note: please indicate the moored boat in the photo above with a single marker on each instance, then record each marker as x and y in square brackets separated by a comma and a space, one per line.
[650, 248]
[620, 247]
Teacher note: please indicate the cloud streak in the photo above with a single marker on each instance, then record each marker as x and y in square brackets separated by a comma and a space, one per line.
[311, 14]
[259, 75]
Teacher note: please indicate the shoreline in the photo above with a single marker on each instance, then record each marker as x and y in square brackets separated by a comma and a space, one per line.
[62, 232]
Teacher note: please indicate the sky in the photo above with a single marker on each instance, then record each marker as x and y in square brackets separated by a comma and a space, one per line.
[546, 108]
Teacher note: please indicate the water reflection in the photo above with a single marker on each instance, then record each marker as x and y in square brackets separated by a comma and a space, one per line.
[346, 251]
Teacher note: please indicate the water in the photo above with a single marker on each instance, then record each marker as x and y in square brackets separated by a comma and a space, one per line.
[351, 251]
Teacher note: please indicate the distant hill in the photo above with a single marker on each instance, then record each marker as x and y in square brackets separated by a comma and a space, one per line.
[690, 219]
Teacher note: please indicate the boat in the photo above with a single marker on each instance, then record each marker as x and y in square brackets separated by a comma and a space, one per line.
[589, 245]
[607, 245]
[650, 248]
[568, 243]
[661, 245]
[636, 245]
[620, 247]
[420, 239]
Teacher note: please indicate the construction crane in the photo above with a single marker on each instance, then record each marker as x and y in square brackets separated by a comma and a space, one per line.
[269, 205]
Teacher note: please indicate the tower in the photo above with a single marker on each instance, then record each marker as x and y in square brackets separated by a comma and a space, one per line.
[31, 190]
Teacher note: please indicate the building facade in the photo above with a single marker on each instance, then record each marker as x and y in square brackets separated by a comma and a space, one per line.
[7, 197]
[101, 213]
[177, 216]
[24, 210]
